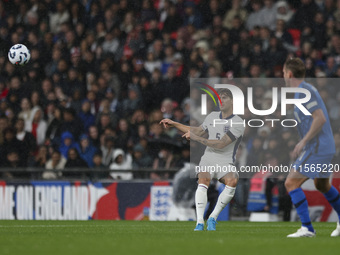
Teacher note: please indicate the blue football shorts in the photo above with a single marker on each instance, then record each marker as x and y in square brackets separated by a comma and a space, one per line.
[314, 165]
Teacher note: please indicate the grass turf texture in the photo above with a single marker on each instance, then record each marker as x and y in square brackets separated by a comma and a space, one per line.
[145, 237]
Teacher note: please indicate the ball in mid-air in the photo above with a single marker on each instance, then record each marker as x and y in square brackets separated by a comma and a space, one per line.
[19, 54]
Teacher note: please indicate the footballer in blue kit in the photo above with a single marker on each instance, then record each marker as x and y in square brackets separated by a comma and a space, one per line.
[314, 152]
[321, 148]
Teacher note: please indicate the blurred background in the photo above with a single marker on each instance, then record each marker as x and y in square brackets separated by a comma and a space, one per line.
[103, 74]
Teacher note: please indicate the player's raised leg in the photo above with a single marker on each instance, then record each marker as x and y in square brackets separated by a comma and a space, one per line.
[230, 180]
[201, 199]
[293, 185]
[332, 196]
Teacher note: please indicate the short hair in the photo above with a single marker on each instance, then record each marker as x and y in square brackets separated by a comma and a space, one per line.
[9, 130]
[20, 119]
[226, 92]
[98, 154]
[70, 111]
[56, 152]
[296, 66]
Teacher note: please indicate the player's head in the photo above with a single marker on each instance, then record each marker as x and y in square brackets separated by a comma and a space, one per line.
[226, 99]
[294, 68]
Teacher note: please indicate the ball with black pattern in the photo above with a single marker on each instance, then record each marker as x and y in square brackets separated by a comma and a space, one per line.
[18, 54]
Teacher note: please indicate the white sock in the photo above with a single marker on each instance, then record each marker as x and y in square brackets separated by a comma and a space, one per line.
[201, 199]
[223, 199]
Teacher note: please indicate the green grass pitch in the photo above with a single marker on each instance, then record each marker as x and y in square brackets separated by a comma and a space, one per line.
[146, 237]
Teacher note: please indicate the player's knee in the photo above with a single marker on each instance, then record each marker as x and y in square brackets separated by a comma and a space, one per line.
[322, 185]
[230, 179]
[205, 181]
[231, 182]
[290, 185]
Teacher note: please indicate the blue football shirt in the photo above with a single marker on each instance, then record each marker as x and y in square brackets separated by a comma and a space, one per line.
[323, 142]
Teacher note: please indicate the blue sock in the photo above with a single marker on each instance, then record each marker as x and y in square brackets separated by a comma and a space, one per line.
[333, 198]
[301, 205]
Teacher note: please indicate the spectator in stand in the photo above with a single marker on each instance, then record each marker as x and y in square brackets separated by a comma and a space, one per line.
[94, 136]
[148, 12]
[104, 123]
[183, 157]
[163, 161]
[140, 160]
[53, 131]
[74, 161]
[173, 20]
[142, 133]
[151, 63]
[319, 31]
[104, 109]
[276, 53]
[16, 93]
[107, 150]
[147, 95]
[59, 17]
[139, 117]
[26, 110]
[167, 108]
[85, 115]
[123, 139]
[4, 123]
[111, 43]
[71, 123]
[212, 9]
[91, 96]
[180, 117]
[305, 14]
[12, 161]
[282, 35]
[330, 67]
[29, 141]
[72, 61]
[3, 89]
[132, 103]
[86, 150]
[10, 115]
[74, 83]
[40, 158]
[98, 168]
[57, 162]
[11, 143]
[37, 126]
[284, 12]
[192, 15]
[268, 14]
[66, 143]
[236, 10]
[121, 161]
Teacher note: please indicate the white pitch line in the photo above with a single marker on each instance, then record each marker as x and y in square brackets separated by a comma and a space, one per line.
[36, 226]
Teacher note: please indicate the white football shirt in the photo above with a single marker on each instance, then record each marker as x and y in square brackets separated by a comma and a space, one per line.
[217, 127]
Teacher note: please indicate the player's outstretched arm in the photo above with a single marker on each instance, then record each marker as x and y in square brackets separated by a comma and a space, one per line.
[170, 123]
[319, 120]
[216, 144]
[185, 129]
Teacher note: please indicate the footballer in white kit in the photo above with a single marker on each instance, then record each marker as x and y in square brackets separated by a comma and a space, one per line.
[225, 134]
[220, 161]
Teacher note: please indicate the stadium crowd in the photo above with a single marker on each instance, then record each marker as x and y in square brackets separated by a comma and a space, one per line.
[103, 74]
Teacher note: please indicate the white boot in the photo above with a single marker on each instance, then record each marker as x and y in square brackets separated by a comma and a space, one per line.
[336, 232]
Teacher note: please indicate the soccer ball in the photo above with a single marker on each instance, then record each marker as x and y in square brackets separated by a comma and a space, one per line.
[19, 54]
